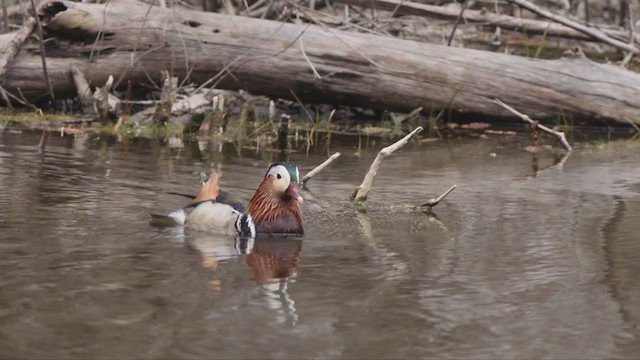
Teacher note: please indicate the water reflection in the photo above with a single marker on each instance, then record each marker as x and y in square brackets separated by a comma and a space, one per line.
[272, 261]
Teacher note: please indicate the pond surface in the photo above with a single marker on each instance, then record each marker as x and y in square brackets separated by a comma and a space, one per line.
[517, 264]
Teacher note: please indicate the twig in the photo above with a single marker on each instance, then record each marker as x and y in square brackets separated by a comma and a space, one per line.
[399, 120]
[433, 202]
[283, 132]
[304, 108]
[16, 43]
[101, 101]
[558, 134]
[316, 75]
[594, 33]
[5, 97]
[360, 194]
[506, 22]
[5, 17]
[82, 87]
[328, 144]
[232, 65]
[42, 54]
[455, 25]
[634, 125]
[10, 95]
[360, 52]
[125, 113]
[629, 55]
[319, 168]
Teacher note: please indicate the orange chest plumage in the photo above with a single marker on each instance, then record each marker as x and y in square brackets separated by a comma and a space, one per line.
[275, 213]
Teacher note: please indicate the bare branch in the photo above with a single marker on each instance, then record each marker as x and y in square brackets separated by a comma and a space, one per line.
[82, 86]
[629, 55]
[316, 75]
[16, 43]
[433, 202]
[360, 194]
[594, 33]
[319, 168]
[559, 135]
[457, 22]
[506, 22]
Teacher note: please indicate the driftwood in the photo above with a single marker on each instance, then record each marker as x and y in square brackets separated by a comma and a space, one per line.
[133, 42]
[361, 193]
[559, 135]
[319, 168]
[435, 201]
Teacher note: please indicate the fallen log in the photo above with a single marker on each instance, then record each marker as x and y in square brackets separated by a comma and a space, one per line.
[134, 43]
[483, 17]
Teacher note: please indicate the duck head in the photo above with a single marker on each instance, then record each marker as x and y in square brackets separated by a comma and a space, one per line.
[275, 207]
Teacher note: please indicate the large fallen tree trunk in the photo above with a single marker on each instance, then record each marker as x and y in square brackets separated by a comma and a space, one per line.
[134, 42]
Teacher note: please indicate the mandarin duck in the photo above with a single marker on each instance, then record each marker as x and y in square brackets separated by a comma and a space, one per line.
[274, 209]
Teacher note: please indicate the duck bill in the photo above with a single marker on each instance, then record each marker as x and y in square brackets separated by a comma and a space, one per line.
[294, 193]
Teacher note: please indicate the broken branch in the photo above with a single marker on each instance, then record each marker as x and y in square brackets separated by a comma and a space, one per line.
[433, 202]
[558, 134]
[360, 194]
[16, 43]
[482, 17]
[594, 33]
[319, 168]
[42, 53]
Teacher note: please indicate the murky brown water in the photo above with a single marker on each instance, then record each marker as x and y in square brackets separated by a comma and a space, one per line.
[517, 264]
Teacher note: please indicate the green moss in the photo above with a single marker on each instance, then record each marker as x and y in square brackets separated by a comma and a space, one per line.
[21, 117]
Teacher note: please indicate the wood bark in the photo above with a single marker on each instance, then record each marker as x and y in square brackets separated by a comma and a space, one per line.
[133, 42]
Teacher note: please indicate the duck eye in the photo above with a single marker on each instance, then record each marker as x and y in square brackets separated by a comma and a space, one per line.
[279, 176]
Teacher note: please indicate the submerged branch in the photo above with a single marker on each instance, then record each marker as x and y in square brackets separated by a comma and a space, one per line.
[360, 194]
[319, 168]
[558, 134]
[433, 202]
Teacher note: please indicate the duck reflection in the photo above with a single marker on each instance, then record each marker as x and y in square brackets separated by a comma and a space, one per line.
[272, 260]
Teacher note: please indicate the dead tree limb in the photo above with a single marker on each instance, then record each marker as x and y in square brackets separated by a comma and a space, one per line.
[42, 52]
[594, 33]
[481, 17]
[14, 46]
[433, 202]
[319, 168]
[457, 22]
[83, 88]
[558, 134]
[360, 194]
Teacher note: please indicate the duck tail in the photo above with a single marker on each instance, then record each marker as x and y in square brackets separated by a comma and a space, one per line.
[210, 189]
[179, 216]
